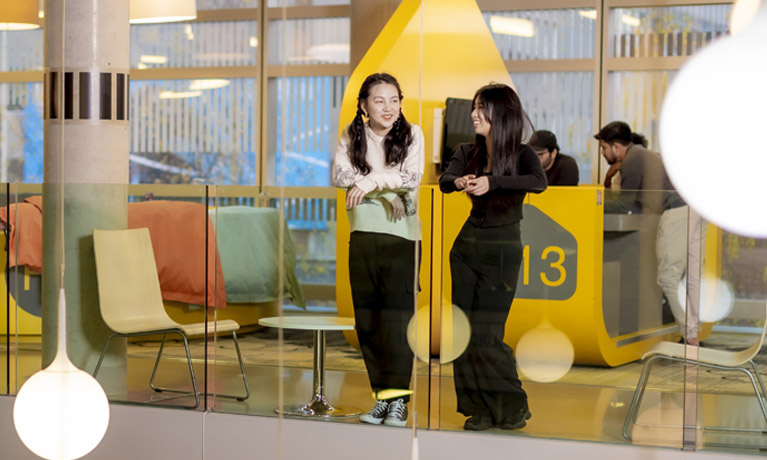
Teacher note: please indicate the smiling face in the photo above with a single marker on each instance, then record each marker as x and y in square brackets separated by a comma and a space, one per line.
[481, 123]
[382, 107]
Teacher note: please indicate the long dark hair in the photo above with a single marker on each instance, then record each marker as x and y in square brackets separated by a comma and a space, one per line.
[397, 140]
[508, 126]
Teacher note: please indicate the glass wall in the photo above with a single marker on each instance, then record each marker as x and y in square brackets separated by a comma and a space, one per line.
[571, 323]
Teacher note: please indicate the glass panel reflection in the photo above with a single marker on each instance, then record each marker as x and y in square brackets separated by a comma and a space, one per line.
[304, 132]
[563, 103]
[637, 98]
[665, 31]
[309, 41]
[194, 130]
[21, 50]
[543, 34]
[195, 44]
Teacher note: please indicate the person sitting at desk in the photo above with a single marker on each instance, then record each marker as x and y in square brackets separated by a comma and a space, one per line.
[646, 188]
[560, 169]
[613, 176]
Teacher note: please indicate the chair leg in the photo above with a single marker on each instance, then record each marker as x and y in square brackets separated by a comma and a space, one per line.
[756, 389]
[242, 368]
[103, 353]
[758, 378]
[157, 363]
[638, 395]
[191, 372]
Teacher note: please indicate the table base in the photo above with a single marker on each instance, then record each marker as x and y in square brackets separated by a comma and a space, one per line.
[318, 407]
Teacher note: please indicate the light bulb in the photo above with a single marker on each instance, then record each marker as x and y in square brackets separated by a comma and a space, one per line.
[710, 125]
[61, 412]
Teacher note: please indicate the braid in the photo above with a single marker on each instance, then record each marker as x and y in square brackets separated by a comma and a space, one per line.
[397, 141]
[358, 144]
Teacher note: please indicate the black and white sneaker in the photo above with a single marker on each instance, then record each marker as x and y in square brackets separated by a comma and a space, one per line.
[397, 415]
[377, 414]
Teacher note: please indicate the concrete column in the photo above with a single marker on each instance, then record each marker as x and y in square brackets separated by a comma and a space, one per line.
[87, 60]
[367, 18]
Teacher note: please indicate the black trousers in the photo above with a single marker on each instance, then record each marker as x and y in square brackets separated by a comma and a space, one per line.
[382, 271]
[484, 265]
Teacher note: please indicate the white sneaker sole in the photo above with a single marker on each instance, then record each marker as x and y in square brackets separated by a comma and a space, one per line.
[365, 418]
[390, 422]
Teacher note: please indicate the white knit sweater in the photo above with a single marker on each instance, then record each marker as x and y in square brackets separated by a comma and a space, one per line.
[382, 183]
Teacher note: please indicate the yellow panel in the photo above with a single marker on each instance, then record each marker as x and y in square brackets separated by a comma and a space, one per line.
[21, 322]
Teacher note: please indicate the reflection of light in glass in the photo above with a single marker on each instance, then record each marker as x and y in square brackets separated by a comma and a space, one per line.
[544, 354]
[455, 332]
[630, 20]
[221, 57]
[727, 70]
[61, 412]
[742, 14]
[716, 298]
[591, 14]
[208, 83]
[188, 32]
[253, 42]
[142, 66]
[512, 26]
[179, 94]
[153, 59]
[328, 52]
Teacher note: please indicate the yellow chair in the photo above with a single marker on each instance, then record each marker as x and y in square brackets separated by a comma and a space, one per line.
[131, 302]
[707, 357]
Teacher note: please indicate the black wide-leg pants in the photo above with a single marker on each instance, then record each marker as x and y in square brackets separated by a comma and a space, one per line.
[381, 272]
[484, 265]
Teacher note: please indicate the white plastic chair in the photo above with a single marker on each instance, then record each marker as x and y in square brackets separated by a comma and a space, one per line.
[707, 357]
[131, 303]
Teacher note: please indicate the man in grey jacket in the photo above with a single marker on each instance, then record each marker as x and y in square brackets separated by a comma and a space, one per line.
[646, 188]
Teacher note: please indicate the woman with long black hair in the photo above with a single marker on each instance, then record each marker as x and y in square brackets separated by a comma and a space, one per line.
[496, 172]
[380, 163]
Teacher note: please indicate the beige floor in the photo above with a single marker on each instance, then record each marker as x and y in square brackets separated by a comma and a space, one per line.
[590, 412]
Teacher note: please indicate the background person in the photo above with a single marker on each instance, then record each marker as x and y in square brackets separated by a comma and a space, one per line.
[380, 162]
[613, 176]
[495, 172]
[560, 169]
[645, 187]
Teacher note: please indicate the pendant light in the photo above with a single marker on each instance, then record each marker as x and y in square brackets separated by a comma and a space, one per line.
[19, 15]
[61, 412]
[156, 11]
[711, 124]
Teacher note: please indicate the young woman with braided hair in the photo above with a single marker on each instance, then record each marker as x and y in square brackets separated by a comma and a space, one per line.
[380, 163]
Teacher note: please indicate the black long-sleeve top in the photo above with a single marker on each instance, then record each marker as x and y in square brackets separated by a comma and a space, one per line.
[502, 204]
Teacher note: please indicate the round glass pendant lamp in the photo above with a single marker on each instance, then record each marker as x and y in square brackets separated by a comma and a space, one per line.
[157, 11]
[712, 126]
[19, 15]
[742, 14]
[61, 412]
